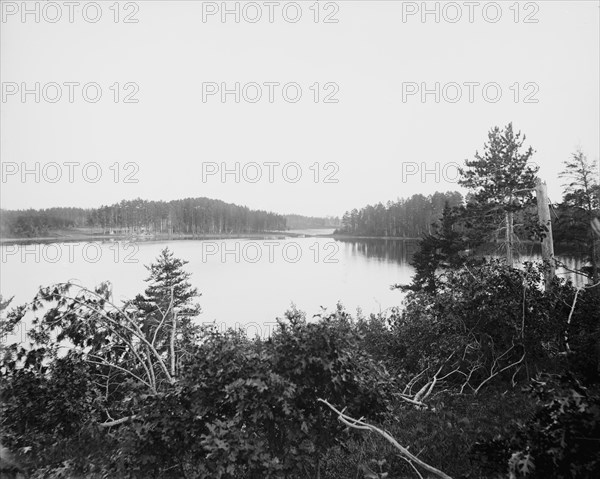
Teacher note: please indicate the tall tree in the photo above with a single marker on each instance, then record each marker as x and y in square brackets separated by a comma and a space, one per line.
[500, 179]
[437, 251]
[582, 192]
[168, 299]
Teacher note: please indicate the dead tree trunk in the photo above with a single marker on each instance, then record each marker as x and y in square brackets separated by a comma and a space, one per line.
[545, 221]
[595, 225]
[509, 239]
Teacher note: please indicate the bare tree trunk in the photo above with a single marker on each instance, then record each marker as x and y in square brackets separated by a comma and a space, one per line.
[596, 259]
[173, 331]
[544, 220]
[509, 239]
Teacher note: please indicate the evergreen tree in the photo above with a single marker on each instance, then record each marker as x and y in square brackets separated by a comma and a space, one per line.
[168, 293]
[583, 187]
[500, 180]
[440, 250]
[581, 200]
[407, 218]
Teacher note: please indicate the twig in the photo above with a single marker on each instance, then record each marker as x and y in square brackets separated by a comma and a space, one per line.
[493, 374]
[413, 466]
[131, 327]
[104, 362]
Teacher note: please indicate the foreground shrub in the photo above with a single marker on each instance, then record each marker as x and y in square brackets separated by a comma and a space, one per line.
[247, 408]
[561, 439]
[442, 435]
[441, 375]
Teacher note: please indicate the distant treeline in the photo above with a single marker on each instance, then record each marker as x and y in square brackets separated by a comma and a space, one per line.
[187, 216]
[297, 222]
[407, 218]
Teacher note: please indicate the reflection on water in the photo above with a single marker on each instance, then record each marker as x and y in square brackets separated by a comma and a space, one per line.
[402, 251]
[390, 250]
[245, 283]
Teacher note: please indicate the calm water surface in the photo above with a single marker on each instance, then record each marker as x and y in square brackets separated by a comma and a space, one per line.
[244, 283]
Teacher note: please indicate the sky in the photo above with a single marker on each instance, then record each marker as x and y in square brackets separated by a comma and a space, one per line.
[360, 132]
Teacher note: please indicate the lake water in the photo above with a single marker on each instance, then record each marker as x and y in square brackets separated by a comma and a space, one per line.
[245, 283]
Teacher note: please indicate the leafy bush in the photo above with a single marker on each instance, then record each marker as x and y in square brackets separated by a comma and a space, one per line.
[237, 407]
[559, 441]
[442, 435]
[489, 322]
[440, 375]
[248, 407]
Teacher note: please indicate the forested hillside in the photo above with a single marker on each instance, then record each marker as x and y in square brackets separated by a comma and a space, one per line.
[187, 216]
[297, 222]
[408, 218]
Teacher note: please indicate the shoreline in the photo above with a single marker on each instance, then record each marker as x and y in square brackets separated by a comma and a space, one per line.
[168, 237]
[91, 237]
[76, 236]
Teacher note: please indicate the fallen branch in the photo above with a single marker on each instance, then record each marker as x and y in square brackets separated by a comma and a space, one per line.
[116, 422]
[408, 456]
[569, 322]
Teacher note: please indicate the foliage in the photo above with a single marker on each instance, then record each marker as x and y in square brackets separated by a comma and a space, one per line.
[582, 189]
[408, 218]
[441, 250]
[580, 207]
[6, 327]
[439, 374]
[501, 173]
[501, 183]
[571, 226]
[299, 222]
[582, 333]
[248, 407]
[168, 296]
[559, 441]
[478, 321]
[236, 407]
[187, 216]
[443, 435]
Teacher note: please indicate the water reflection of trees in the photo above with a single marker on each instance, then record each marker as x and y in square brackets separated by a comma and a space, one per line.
[401, 252]
[388, 250]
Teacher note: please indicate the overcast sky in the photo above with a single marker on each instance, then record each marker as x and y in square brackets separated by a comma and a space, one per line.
[371, 61]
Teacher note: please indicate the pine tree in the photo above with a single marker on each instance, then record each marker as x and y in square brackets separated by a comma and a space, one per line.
[169, 293]
[440, 250]
[583, 187]
[582, 195]
[500, 179]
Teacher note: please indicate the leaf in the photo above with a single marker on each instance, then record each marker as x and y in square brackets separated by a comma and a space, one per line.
[368, 473]
[526, 465]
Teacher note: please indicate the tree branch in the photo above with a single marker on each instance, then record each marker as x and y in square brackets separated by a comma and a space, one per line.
[116, 422]
[406, 454]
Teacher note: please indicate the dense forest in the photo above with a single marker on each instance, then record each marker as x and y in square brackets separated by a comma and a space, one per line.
[187, 216]
[487, 369]
[405, 218]
[298, 222]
